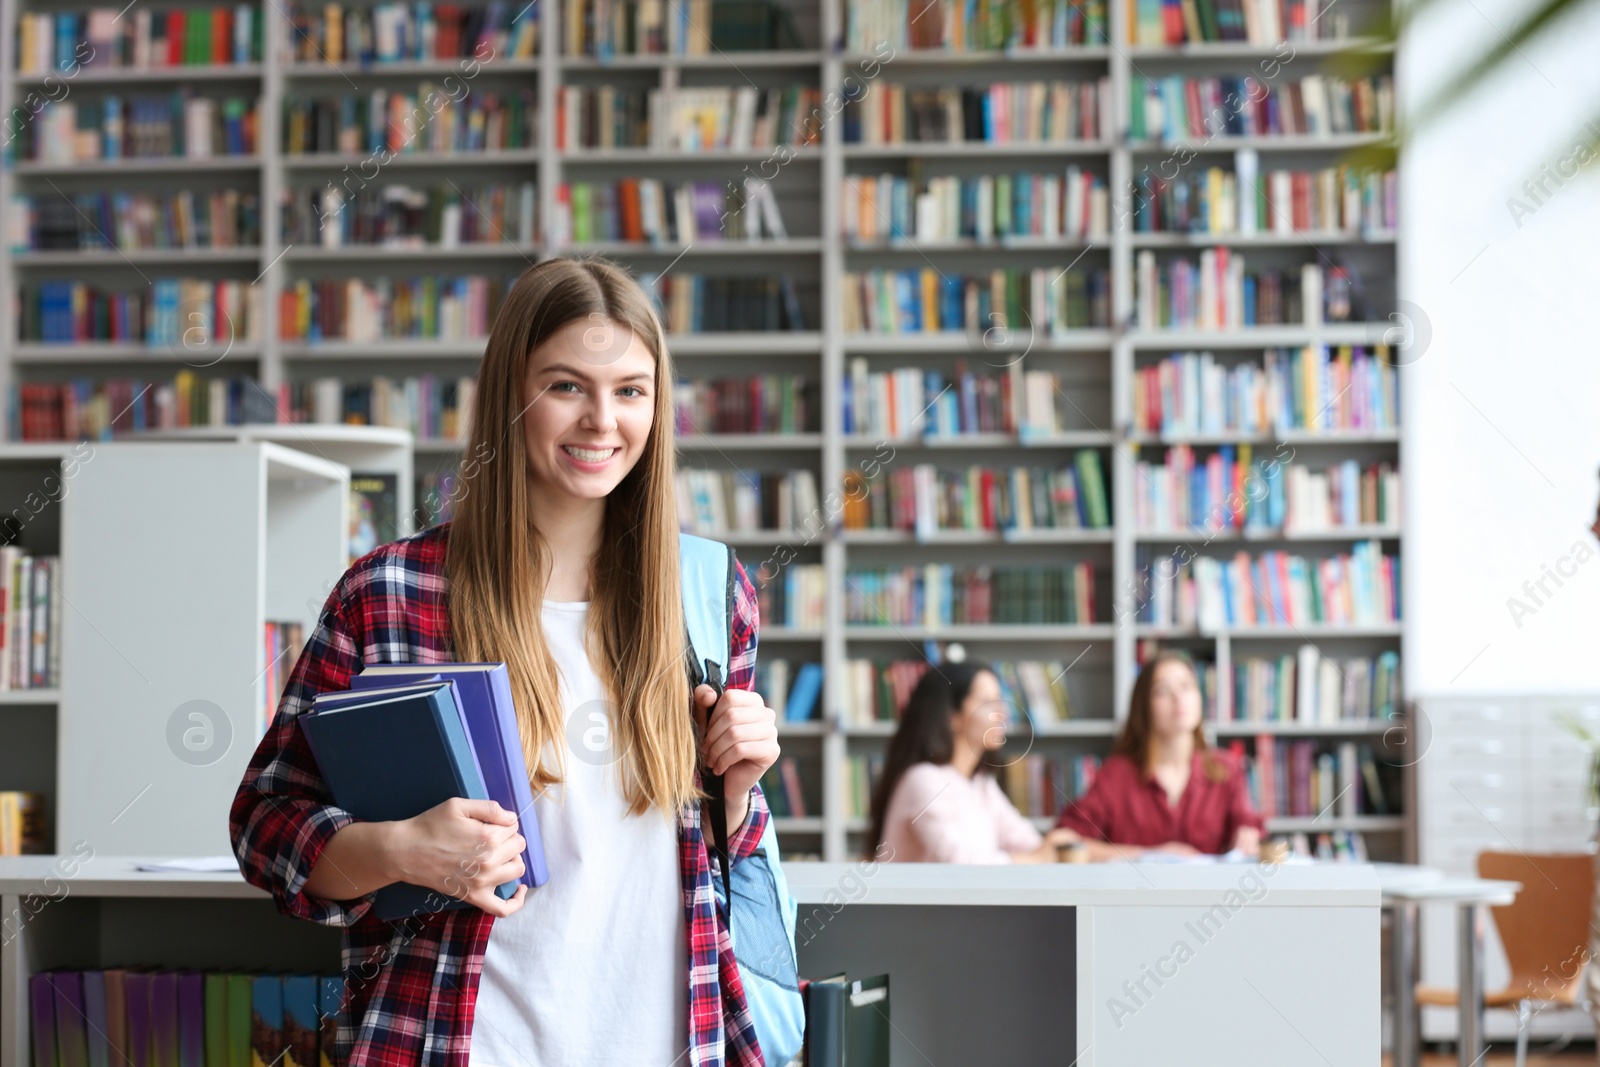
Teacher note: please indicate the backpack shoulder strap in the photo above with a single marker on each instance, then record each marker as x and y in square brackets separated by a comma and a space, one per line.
[707, 574]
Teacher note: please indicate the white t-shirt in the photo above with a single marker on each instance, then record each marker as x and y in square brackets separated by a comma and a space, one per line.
[594, 969]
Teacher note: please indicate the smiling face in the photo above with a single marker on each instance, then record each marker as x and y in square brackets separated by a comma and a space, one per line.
[587, 420]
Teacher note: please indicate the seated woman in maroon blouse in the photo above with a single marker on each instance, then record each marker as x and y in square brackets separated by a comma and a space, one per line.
[1163, 788]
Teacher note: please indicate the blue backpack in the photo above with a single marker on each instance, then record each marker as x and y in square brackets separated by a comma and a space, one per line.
[761, 922]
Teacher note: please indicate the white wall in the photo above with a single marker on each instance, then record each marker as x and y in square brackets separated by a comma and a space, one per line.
[1502, 415]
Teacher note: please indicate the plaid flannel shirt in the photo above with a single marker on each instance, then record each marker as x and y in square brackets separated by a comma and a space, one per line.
[411, 985]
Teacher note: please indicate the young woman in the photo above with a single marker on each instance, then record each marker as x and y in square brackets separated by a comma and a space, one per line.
[562, 562]
[936, 802]
[1163, 788]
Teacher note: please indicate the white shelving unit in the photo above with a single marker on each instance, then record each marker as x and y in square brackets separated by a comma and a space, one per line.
[1098, 364]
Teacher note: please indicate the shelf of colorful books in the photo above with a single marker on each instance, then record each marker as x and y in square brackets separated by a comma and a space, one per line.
[1078, 439]
[211, 72]
[951, 245]
[1297, 239]
[1062, 730]
[1293, 437]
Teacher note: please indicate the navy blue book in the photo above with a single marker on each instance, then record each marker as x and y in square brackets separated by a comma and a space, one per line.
[485, 692]
[390, 754]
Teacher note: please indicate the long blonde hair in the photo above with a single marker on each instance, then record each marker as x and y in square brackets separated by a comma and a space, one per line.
[497, 563]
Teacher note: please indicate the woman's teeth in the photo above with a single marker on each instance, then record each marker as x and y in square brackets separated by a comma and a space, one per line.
[589, 455]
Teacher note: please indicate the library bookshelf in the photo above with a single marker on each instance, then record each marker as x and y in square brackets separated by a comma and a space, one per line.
[1096, 367]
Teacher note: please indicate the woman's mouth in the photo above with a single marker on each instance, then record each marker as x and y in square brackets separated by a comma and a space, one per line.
[589, 455]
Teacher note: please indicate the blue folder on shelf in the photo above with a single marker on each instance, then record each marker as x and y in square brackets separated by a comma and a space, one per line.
[393, 753]
[485, 693]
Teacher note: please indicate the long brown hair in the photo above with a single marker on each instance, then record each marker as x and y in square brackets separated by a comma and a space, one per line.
[498, 563]
[1133, 742]
[925, 734]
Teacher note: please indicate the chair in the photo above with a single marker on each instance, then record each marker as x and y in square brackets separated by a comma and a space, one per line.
[1545, 933]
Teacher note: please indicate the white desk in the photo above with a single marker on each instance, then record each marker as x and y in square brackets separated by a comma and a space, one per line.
[1059, 964]
[1107, 965]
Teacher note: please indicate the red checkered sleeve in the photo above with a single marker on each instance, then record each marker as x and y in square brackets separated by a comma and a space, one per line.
[746, 626]
[282, 817]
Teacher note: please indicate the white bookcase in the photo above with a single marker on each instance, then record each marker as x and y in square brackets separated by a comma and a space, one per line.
[1097, 366]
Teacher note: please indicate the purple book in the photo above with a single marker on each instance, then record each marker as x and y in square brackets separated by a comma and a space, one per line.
[72, 1041]
[94, 1011]
[42, 994]
[137, 988]
[191, 1019]
[708, 200]
[164, 1019]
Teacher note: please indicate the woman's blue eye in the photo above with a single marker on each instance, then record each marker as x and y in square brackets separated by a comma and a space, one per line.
[632, 390]
[564, 385]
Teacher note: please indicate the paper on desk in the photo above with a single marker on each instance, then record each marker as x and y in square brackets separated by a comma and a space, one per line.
[192, 864]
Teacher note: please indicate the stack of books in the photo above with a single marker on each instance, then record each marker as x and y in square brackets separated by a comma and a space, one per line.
[782, 787]
[405, 216]
[767, 403]
[176, 125]
[30, 611]
[432, 408]
[1286, 203]
[1294, 780]
[102, 38]
[382, 309]
[431, 119]
[795, 597]
[926, 500]
[1041, 786]
[793, 690]
[605, 28]
[1058, 112]
[85, 409]
[1262, 22]
[691, 119]
[1187, 108]
[714, 503]
[1215, 292]
[1361, 588]
[649, 210]
[142, 1016]
[1038, 303]
[134, 222]
[699, 303]
[1074, 205]
[1312, 688]
[392, 32]
[966, 26]
[192, 314]
[936, 595]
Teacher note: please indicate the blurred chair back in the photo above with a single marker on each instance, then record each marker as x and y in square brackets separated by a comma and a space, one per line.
[1545, 931]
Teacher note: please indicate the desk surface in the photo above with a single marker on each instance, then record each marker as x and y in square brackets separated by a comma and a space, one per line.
[1086, 884]
[1104, 885]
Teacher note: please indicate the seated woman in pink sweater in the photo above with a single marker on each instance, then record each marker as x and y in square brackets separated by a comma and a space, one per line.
[936, 802]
